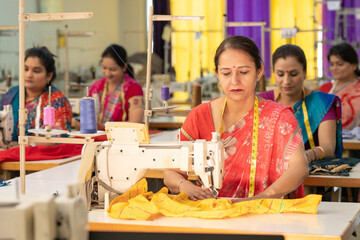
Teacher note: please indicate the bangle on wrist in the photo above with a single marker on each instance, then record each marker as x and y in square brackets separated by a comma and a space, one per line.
[178, 186]
[314, 154]
[322, 152]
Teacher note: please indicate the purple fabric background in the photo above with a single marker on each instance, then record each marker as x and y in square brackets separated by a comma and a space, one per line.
[251, 11]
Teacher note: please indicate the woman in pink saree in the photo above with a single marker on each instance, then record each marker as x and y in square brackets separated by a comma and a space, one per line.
[245, 122]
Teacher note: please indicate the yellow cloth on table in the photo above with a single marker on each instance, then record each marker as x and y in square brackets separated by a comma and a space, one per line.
[139, 204]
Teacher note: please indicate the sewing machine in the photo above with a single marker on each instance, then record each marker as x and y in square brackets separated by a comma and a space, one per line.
[6, 124]
[44, 217]
[123, 160]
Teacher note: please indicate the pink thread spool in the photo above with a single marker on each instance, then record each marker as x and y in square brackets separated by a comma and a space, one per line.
[49, 116]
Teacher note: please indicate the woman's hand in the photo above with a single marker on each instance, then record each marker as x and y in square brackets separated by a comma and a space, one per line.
[194, 192]
[175, 181]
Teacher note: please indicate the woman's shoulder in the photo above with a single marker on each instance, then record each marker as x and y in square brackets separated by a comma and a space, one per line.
[322, 97]
[11, 92]
[326, 87]
[357, 83]
[278, 113]
[269, 95]
[275, 110]
[201, 108]
[269, 104]
[98, 84]
[131, 82]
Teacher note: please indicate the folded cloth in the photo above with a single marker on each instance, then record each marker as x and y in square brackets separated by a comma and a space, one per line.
[351, 134]
[347, 134]
[37, 153]
[356, 132]
[138, 204]
[333, 166]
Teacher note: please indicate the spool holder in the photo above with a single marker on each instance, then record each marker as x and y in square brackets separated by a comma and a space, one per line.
[23, 139]
[148, 92]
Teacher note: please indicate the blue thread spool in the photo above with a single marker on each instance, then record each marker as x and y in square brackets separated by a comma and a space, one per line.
[165, 93]
[87, 116]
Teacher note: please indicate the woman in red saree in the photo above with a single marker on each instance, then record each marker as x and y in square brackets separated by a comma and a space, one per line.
[245, 122]
[346, 85]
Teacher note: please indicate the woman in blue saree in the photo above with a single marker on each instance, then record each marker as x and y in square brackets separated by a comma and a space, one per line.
[318, 113]
[40, 72]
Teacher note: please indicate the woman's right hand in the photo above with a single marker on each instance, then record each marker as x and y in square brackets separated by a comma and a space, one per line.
[194, 192]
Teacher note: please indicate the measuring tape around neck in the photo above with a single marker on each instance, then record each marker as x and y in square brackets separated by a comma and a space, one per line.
[307, 123]
[102, 102]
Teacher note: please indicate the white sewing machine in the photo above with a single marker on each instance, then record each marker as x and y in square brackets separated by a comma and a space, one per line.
[44, 217]
[123, 160]
[6, 124]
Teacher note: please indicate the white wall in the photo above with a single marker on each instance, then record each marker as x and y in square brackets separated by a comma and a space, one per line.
[114, 21]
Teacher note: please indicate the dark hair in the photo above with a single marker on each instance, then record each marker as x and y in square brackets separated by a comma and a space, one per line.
[240, 43]
[289, 50]
[46, 59]
[347, 53]
[118, 53]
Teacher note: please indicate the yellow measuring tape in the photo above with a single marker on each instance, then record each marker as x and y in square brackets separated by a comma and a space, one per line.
[255, 138]
[306, 121]
[222, 114]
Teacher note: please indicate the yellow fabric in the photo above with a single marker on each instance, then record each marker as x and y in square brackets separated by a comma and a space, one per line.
[189, 52]
[138, 204]
[289, 14]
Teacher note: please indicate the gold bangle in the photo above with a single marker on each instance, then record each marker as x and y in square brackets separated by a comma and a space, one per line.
[178, 186]
[322, 152]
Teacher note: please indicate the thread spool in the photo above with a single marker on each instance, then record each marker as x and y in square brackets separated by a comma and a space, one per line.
[165, 93]
[49, 116]
[87, 116]
[196, 95]
[8, 81]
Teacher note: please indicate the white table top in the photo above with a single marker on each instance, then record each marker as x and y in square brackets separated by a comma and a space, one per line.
[351, 140]
[332, 219]
[49, 181]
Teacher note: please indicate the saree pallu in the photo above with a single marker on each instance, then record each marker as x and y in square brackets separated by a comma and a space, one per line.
[114, 107]
[318, 104]
[350, 103]
[63, 113]
[279, 136]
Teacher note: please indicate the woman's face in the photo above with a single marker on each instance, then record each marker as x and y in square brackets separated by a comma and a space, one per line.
[340, 69]
[289, 75]
[36, 76]
[112, 71]
[237, 74]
